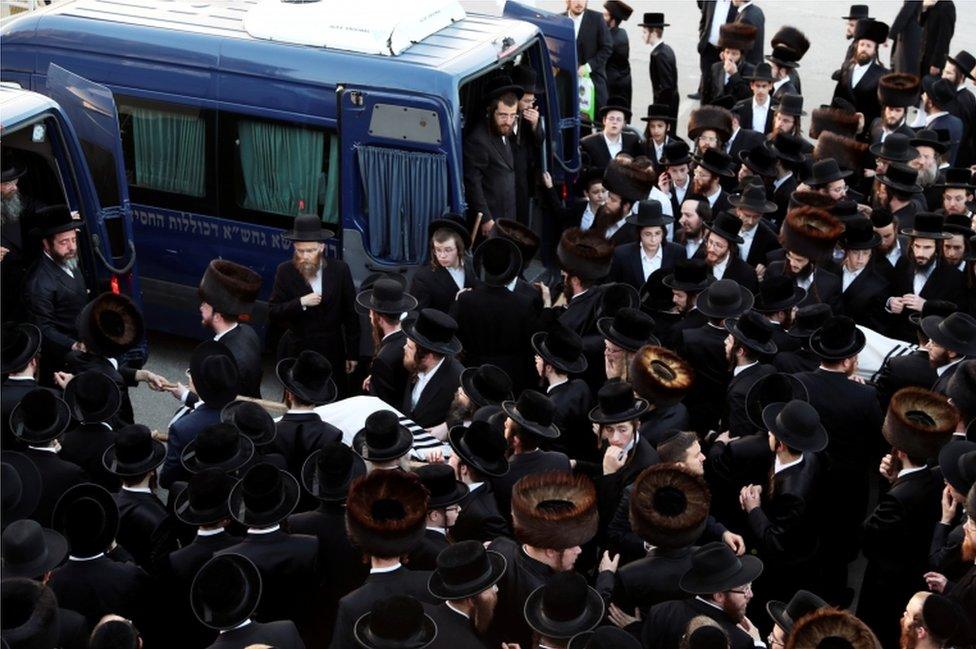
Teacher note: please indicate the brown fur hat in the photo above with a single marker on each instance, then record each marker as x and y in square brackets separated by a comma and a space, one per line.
[833, 628]
[229, 288]
[899, 89]
[792, 38]
[669, 506]
[737, 36]
[715, 118]
[628, 180]
[523, 237]
[554, 510]
[919, 422]
[828, 119]
[386, 513]
[810, 232]
[962, 389]
[848, 152]
[660, 376]
[808, 198]
[584, 254]
[110, 325]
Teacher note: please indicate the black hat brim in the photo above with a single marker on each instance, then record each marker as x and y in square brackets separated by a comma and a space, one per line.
[104, 413]
[783, 63]
[327, 393]
[672, 283]
[18, 418]
[598, 416]
[546, 432]
[30, 486]
[456, 495]
[467, 382]
[243, 454]
[57, 551]
[605, 327]
[755, 403]
[539, 345]
[784, 155]
[727, 172]
[840, 174]
[740, 200]
[777, 611]
[323, 234]
[908, 189]
[813, 444]
[512, 269]
[329, 493]
[32, 345]
[919, 234]
[368, 640]
[450, 224]
[111, 462]
[769, 170]
[186, 513]
[772, 307]
[768, 347]
[606, 109]
[227, 416]
[437, 587]
[751, 568]
[402, 446]
[455, 438]
[542, 624]
[449, 348]
[101, 538]
[877, 150]
[659, 222]
[728, 236]
[870, 244]
[248, 606]
[364, 300]
[853, 349]
[239, 511]
[930, 327]
[659, 118]
[745, 303]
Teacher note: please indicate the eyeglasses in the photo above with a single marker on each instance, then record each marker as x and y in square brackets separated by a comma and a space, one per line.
[773, 641]
[746, 590]
[707, 138]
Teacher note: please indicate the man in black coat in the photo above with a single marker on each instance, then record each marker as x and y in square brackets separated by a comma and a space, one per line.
[863, 289]
[662, 65]
[858, 82]
[85, 444]
[756, 112]
[634, 262]
[479, 455]
[741, 139]
[721, 254]
[714, 14]
[957, 70]
[385, 301]
[951, 342]
[467, 604]
[758, 237]
[727, 76]
[21, 359]
[603, 147]
[445, 492]
[749, 342]
[559, 354]
[753, 15]
[594, 45]
[308, 383]
[619, 83]
[938, 21]
[429, 356]
[313, 301]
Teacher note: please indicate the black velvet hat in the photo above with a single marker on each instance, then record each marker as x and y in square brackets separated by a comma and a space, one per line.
[329, 471]
[561, 348]
[715, 568]
[772, 388]
[629, 329]
[20, 488]
[386, 295]
[778, 293]
[30, 550]
[616, 403]
[39, 417]
[264, 496]
[649, 214]
[691, 275]
[21, 342]
[497, 261]
[753, 331]
[134, 452]
[895, 148]
[92, 397]
[435, 331]
[442, 485]
[218, 446]
[465, 569]
[486, 385]
[86, 514]
[724, 299]
[727, 226]
[308, 227]
[534, 412]
[480, 446]
[214, 373]
[797, 425]
[837, 339]
[563, 607]
[308, 377]
[383, 437]
[253, 421]
[786, 614]
[225, 591]
[398, 622]
[204, 501]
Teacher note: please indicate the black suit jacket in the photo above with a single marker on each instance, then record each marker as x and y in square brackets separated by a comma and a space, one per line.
[764, 242]
[744, 139]
[944, 283]
[626, 266]
[100, 586]
[454, 631]
[666, 624]
[825, 287]
[864, 95]
[489, 174]
[938, 24]
[435, 400]
[897, 372]
[388, 376]
[618, 66]
[595, 146]
[479, 518]
[57, 476]
[245, 347]
[435, 289]
[704, 349]
[864, 299]
[781, 196]
[424, 556]
[738, 270]
[378, 586]
[663, 68]
[145, 530]
[753, 15]
[181, 432]
[707, 17]
[965, 109]
[573, 400]
[54, 301]
[956, 129]
[593, 48]
[580, 316]
[745, 116]
[300, 433]
[281, 634]
[654, 579]
[736, 421]
[523, 575]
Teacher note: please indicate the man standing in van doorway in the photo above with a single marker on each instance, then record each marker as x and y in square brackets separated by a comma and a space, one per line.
[313, 301]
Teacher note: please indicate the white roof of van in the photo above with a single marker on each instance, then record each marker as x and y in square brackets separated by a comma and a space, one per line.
[386, 27]
[17, 104]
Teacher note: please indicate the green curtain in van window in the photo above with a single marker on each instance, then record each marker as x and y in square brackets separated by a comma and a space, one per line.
[169, 151]
[404, 190]
[331, 202]
[282, 167]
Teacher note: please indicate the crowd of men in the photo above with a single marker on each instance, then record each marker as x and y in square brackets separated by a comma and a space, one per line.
[740, 413]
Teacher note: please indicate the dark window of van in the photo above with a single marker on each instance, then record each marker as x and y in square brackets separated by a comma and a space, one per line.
[280, 170]
[168, 152]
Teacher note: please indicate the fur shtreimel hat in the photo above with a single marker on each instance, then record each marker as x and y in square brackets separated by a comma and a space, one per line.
[713, 118]
[792, 38]
[830, 628]
[669, 506]
[229, 288]
[899, 90]
[828, 119]
[554, 510]
[584, 254]
[737, 36]
[628, 181]
[811, 232]
[660, 376]
[919, 422]
[848, 152]
[386, 513]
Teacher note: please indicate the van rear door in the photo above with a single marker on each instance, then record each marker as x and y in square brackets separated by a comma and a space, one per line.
[90, 107]
[563, 99]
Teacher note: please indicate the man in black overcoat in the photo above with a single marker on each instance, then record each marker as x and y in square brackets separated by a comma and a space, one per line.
[748, 347]
[387, 375]
[430, 358]
[479, 455]
[593, 45]
[863, 289]
[619, 83]
[308, 383]
[662, 64]
[559, 355]
[93, 399]
[467, 605]
[858, 82]
[21, 358]
[444, 491]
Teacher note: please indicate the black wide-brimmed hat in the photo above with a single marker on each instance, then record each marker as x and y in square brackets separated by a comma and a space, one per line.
[957, 178]
[659, 113]
[753, 198]
[434, 330]
[954, 467]
[214, 373]
[675, 152]
[616, 403]
[604, 637]
[958, 224]
[669, 506]
[772, 388]
[690, 275]
[727, 226]
[86, 514]
[480, 446]
[837, 339]
[939, 91]
[486, 385]
[615, 103]
[39, 417]
[264, 496]
[788, 147]
[763, 72]
[20, 486]
[760, 159]
[21, 342]
[901, 177]
[937, 140]
[308, 377]
[778, 293]
[784, 57]
[857, 12]
[225, 591]
[253, 421]
[13, 166]
[724, 299]
[895, 148]
[629, 329]
[919, 422]
[786, 614]
[964, 62]
[465, 569]
[218, 446]
[308, 227]
[653, 19]
[110, 325]
[442, 485]
[30, 550]
[53, 220]
[809, 319]
[383, 437]
[859, 234]
[928, 225]
[825, 172]
[715, 568]
[796, 424]
[92, 397]
[534, 412]
[563, 607]
[790, 104]
[204, 500]
[649, 214]
[134, 453]
[397, 622]
[957, 332]
[452, 222]
[497, 261]
[329, 471]
[562, 348]
[753, 331]
[498, 85]
[386, 295]
[717, 161]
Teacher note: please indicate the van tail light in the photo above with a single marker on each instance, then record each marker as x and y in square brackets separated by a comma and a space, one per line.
[115, 284]
[564, 191]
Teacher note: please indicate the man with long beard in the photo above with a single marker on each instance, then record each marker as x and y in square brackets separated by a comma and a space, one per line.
[313, 301]
[858, 82]
[16, 253]
[386, 302]
[468, 604]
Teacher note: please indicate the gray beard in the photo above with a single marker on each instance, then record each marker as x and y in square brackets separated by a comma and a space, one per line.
[11, 209]
[927, 175]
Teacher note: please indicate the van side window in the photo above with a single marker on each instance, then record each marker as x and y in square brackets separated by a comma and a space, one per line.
[281, 170]
[166, 148]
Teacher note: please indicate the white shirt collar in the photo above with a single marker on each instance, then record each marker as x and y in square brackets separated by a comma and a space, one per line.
[657, 255]
[263, 530]
[72, 557]
[779, 466]
[742, 368]
[718, 270]
[439, 530]
[239, 626]
[48, 449]
[910, 470]
[225, 332]
[425, 375]
[459, 612]
[203, 532]
[20, 378]
[395, 566]
[779, 84]
[556, 384]
[942, 370]
[511, 285]
[474, 485]
[705, 601]
[934, 116]
[137, 490]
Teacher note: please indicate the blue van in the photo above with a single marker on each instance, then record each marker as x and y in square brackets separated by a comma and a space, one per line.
[237, 115]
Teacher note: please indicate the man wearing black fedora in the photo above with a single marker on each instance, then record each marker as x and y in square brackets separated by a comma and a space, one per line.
[225, 597]
[227, 293]
[689, 278]
[938, 97]
[604, 146]
[562, 608]
[748, 348]
[288, 563]
[662, 67]
[214, 378]
[957, 69]
[952, 340]
[21, 357]
[313, 301]
[386, 301]
[657, 133]
[712, 165]
[785, 615]
[634, 262]
[445, 492]
[485, 385]
[758, 237]
[740, 140]
[863, 289]
[755, 112]
[436, 284]
[385, 514]
[777, 297]
[464, 581]
[308, 383]
[720, 584]
[626, 332]
[674, 177]
[479, 455]
[721, 254]
[435, 373]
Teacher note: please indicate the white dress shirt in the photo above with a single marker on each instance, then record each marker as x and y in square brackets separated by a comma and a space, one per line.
[779, 466]
[423, 378]
[759, 113]
[718, 19]
[614, 146]
[224, 332]
[587, 219]
[612, 230]
[457, 274]
[858, 72]
[849, 276]
[651, 264]
[748, 236]
[577, 22]
[779, 181]
[718, 270]
[805, 283]
[918, 282]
